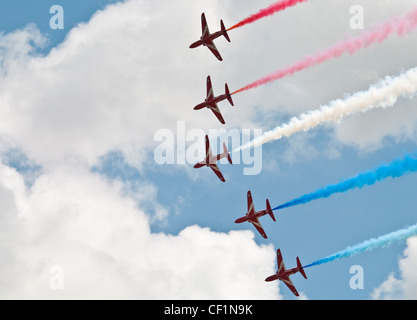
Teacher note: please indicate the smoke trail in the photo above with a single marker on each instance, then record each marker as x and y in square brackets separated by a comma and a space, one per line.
[381, 95]
[395, 169]
[378, 33]
[384, 241]
[274, 8]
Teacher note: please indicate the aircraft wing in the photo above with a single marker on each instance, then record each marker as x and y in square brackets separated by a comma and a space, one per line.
[208, 150]
[217, 171]
[204, 26]
[280, 262]
[210, 93]
[289, 284]
[217, 113]
[206, 33]
[258, 227]
[210, 44]
[251, 207]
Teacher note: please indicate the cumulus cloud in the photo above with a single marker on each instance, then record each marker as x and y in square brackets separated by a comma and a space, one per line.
[112, 85]
[335, 79]
[109, 86]
[405, 287]
[102, 241]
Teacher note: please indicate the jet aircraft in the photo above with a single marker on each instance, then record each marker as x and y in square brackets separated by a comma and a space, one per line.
[207, 37]
[252, 216]
[210, 160]
[284, 274]
[211, 101]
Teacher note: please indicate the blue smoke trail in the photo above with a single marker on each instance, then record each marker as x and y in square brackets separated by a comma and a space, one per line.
[395, 169]
[384, 241]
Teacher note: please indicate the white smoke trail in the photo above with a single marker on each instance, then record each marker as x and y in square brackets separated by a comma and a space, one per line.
[381, 95]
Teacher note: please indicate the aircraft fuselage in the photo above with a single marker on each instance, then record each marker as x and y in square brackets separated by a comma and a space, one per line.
[254, 216]
[205, 41]
[208, 103]
[211, 161]
[283, 275]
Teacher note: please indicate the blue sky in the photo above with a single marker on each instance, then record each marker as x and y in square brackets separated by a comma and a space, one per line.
[314, 230]
[89, 118]
[17, 14]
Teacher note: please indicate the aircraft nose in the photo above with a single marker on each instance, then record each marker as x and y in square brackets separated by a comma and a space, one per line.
[271, 278]
[198, 165]
[240, 220]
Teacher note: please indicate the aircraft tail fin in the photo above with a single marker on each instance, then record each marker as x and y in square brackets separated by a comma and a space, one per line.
[226, 153]
[300, 266]
[224, 30]
[228, 95]
[269, 209]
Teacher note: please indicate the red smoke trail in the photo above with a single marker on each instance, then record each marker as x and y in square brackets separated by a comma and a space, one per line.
[273, 8]
[378, 33]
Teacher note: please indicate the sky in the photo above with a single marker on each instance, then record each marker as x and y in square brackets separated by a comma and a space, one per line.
[87, 209]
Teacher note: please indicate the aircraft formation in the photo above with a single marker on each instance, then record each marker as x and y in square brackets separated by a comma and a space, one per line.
[377, 95]
[210, 161]
[211, 101]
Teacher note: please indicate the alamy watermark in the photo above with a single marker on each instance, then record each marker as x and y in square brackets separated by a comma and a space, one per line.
[57, 20]
[357, 282]
[357, 21]
[188, 146]
[56, 280]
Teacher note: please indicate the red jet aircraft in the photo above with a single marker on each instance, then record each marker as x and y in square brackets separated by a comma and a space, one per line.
[211, 160]
[252, 216]
[284, 274]
[207, 38]
[211, 101]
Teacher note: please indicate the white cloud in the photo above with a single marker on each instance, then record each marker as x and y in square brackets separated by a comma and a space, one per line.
[284, 43]
[109, 86]
[112, 83]
[79, 221]
[406, 286]
[128, 72]
[390, 289]
[16, 47]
